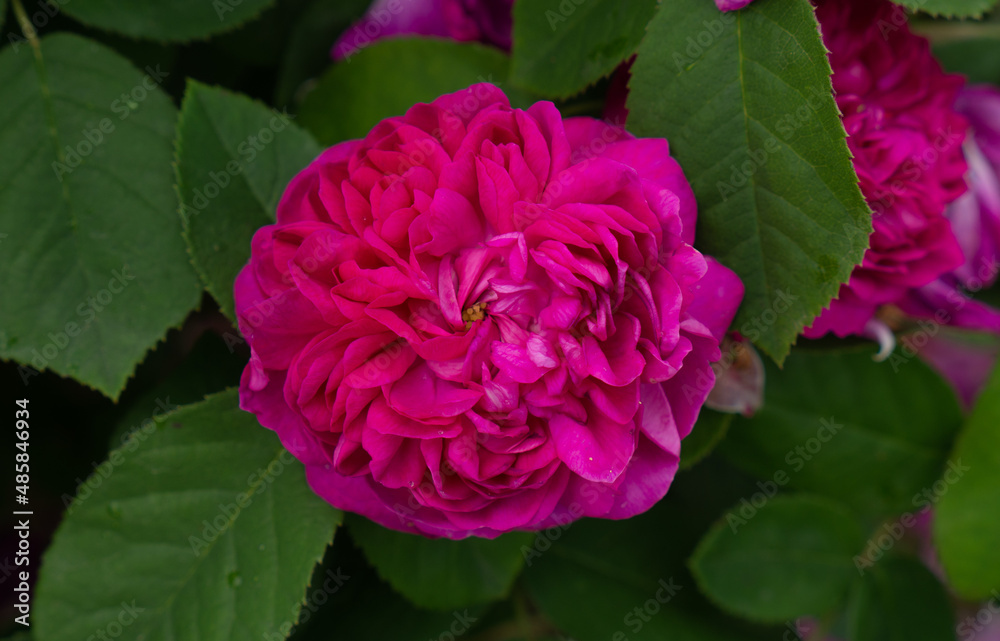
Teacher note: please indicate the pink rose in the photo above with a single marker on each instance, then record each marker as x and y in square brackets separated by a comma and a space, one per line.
[966, 361]
[906, 138]
[481, 319]
[487, 21]
[975, 217]
[731, 5]
[975, 221]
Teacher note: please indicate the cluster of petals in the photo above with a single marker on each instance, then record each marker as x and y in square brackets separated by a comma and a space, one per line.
[479, 319]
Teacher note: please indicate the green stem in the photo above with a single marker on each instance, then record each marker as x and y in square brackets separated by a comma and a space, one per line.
[27, 28]
[43, 81]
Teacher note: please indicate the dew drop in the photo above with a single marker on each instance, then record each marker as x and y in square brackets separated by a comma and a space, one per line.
[234, 579]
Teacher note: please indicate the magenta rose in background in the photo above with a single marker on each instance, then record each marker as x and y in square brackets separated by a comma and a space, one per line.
[966, 361]
[731, 5]
[975, 217]
[481, 319]
[906, 138]
[975, 221]
[487, 21]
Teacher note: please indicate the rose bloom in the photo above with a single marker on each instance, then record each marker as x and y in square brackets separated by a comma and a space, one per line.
[975, 217]
[963, 358]
[975, 221]
[906, 137]
[487, 21]
[481, 319]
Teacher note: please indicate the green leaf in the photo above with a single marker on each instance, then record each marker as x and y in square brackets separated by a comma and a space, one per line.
[951, 8]
[92, 265]
[560, 46]
[210, 366]
[708, 432]
[871, 435]
[596, 579]
[234, 159]
[789, 558]
[746, 102]
[441, 573]
[898, 599]
[977, 58]
[205, 529]
[966, 523]
[368, 609]
[177, 20]
[387, 78]
[312, 37]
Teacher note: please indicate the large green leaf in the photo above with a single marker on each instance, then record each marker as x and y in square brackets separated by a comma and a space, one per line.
[898, 599]
[561, 46]
[387, 78]
[368, 609]
[967, 523]
[204, 529]
[92, 268]
[872, 435]
[441, 573]
[746, 102]
[176, 20]
[234, 159]
[791, 557]
[951, 8]
[596, 579]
